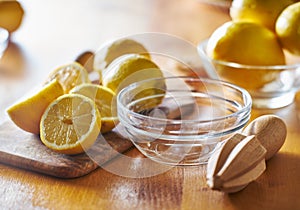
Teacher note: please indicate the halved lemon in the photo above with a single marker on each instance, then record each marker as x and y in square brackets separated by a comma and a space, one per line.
[70, 75]
[70, 124]
[27, 113]
[104, 99]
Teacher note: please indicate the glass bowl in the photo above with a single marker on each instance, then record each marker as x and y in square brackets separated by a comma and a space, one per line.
[269, 86]
[183, 118]
[4, 39]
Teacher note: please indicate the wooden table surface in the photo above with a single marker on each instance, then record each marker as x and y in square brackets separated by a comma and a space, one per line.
[54, 32]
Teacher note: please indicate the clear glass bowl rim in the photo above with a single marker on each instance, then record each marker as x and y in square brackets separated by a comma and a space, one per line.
[246, 109]
[202, 52]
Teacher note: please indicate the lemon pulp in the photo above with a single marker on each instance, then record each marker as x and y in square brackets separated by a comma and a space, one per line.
[69, 75]
[70, 124]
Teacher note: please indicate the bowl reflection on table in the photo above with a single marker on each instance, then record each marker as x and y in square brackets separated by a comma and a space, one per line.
[192, 117]
[269, 86]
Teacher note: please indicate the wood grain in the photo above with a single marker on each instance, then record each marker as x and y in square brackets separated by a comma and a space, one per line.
[25, 150]
[52, 35]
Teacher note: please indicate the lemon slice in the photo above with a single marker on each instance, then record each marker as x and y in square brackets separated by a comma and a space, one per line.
[70, 75]
[104, 99]
[70, 124]
[27, 113]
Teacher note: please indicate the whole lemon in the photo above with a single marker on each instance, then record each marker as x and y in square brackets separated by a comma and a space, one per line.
[132, 68]
[11, 15]
[264, 12]
[245, 43]
[287, 28]
[115, 49]
[128, 69]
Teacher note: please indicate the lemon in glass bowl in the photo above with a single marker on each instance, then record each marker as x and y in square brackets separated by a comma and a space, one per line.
[248, 44]
[250, 56]
[287, 28]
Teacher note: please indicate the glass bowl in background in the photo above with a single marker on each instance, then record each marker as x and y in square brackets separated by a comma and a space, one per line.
[269, 86]
[183, 118]
[4, 39]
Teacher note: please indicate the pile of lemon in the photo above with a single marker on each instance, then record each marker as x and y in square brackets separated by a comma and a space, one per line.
[258, 34]
[70, 110]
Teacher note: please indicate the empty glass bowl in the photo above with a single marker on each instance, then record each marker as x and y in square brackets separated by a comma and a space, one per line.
[179, 120]
[269, 86]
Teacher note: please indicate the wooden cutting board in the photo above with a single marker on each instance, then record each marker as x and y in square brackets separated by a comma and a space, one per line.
[25, 150]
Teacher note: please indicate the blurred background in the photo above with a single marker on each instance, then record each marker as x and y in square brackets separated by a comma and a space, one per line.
[54, 32]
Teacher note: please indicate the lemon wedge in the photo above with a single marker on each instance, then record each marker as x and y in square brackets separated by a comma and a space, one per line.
[27, 113]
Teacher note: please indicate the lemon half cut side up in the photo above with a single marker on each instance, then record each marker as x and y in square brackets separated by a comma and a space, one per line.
[70, 124]
[69, 75]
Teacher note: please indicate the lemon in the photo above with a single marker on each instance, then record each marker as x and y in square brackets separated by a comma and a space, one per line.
[115, 49]
[11, 15]
[70, 124]
[129, 69]
[104, 99]
[70, 75]
[245, 43]
[264, 12]
[287, 28]
[249, 44]
[132, 68]
[27, 113]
